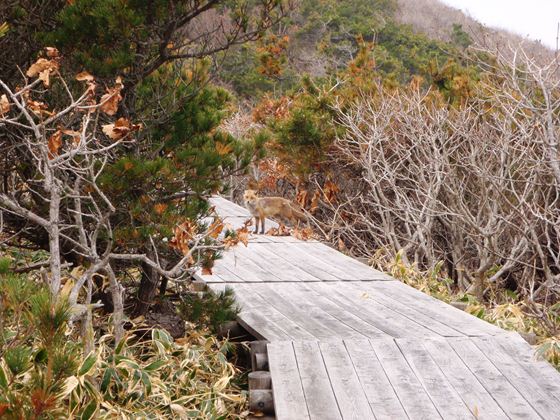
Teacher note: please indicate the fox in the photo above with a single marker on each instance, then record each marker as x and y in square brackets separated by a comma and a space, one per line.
[262, 207]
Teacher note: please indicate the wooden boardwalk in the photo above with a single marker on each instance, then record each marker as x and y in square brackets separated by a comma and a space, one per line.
[349, 342]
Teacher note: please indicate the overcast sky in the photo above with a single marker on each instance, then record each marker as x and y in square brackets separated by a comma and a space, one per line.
[536, 19]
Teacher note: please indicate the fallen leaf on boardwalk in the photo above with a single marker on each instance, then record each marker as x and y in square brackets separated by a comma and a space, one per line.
[206, 271]
[4, 105]
[243, 235]
[54, 144]
[303, 234]
[281, 230]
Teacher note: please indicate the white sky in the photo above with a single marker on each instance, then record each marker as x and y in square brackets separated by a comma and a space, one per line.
[535, 19]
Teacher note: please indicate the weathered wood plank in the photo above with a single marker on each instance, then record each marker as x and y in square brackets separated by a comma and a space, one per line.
[378, 390]
[314, 252]
[273, 263]
[348, 391]
[246, 269]
[509, 399]
[409, 390]
[298, 314]
[317, 388]
[382, 317]
[436, 309]
[271, 314]
[311, 265]
[448, 403]
[346, 264]
[539, 398]
[338, 312]
[414, 313]
[309, 309]
[538, 369]
[289, 399]
[475, 396]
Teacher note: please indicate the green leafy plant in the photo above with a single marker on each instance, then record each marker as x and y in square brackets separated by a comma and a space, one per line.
[210, 310]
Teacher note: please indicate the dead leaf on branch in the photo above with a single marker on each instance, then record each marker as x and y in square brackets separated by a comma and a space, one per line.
[76, 136]
[239, 235]
[84, 76]
[182, 235]
[120, 129]
[54, 143]
[216, 228]
[110, 101]
[302, 198]
[330, 191]
[38, 107]
[314, 202]
[52, 52]
[42, 69]
[4, 105]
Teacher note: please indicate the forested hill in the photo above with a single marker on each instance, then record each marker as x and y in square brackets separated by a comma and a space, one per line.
[409, 37]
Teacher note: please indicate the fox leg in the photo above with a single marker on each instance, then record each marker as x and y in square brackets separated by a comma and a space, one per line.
[262, 222]
[256, 224]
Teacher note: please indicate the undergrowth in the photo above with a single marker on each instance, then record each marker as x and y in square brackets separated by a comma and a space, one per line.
[44, 374]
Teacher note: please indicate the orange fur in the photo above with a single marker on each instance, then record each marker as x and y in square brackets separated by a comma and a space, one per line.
[262, 207]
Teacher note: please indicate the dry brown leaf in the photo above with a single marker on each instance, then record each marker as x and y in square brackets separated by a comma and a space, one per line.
[110, 101]
[314, 202]
[4, 105]
[243, 235]
[182, 235]
[42, 68]
[281, 230]
[341, 245]
[52, 52]
[159, 208]
[222, 148]
[206, 271]
[39, 108]
[55, 143]
[84, 76]
[216, 228]
[128, 166]
[302, 198]
[303, 234]
[120, 129]
[76, 135]
[330, 191]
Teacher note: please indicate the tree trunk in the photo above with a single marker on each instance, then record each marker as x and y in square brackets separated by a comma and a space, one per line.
[147, 290]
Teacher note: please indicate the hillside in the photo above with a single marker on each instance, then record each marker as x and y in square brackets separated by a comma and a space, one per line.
[408, 37]
[436, 19]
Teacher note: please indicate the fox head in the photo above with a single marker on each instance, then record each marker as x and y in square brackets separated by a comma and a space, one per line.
[250, 197]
